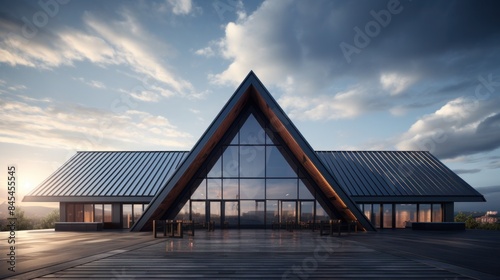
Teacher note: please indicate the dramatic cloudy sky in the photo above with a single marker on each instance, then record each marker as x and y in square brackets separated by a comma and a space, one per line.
[151, 75]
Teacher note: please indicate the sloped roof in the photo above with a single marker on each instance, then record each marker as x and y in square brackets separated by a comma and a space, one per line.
[252, 91]
[109, 176]
[373, 176]
[396, 176]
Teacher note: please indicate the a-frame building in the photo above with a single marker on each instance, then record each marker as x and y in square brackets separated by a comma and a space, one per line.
[252, 168]
[248, 107]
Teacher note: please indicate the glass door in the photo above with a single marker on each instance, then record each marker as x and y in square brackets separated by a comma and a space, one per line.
[231, 214]
[215, 213]
[288, 211]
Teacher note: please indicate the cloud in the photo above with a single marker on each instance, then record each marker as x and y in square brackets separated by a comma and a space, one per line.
[92, 83]
[121, 41]
[467, 171]
[463, 126]
[181, 7]
[294, 46]
[69, 126]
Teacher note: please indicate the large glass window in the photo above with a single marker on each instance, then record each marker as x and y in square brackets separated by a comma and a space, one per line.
[108, 216]
[127, 215]
[230, 188]
[88, 213]
[252, 189]
[376, 217]
[306, 211]
[281, 188]
[251, 132]
[277, 165]
[201, 191]
[387, 215]
[252, 181]
[405, 213]
[79, 212]
[231, 213]
[230, 161]
[198, 211]
[437, 215]
[304, 192]
[272, 212]
[252, 212]
[98, 213]
[424, 212]
[214, 189]
[252, 161]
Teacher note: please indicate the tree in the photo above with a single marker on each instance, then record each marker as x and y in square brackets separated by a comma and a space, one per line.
[22, 222]
[460, 217]
[50, 220]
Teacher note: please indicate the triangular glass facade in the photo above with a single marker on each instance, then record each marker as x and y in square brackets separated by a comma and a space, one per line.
[250, 180]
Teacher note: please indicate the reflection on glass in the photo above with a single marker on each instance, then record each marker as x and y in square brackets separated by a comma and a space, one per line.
[306, 211]
[424, 213]
[70, 212]
[387, 215]
[198, 211]
[230, 188]
[252, 212]
[184, 213]
[214, 189]
[79, 212]
[98, 213]
[272, 212]
[108, 215]
[281, 188]
[277, 165]
[88, 215]
[231, 213]
[127, 215]
[215, 212]
[251, 132]
[288, 211]
[405, 213]
[437, 213]
[367, 210]
[304, 192]
[375, 218]
[252, 161]
[321, 214]
[200, 192]
[252, 188]
[230, 162]
[216, 170]
[137, 212]
[235, 140]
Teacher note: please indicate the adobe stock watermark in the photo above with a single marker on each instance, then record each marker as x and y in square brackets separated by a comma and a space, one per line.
[309, 265]
[363, 37]
[40, 19]
[221, 7]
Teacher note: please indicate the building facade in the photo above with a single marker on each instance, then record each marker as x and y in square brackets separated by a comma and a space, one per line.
[253, 169]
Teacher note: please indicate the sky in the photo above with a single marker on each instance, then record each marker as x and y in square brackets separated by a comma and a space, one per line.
[152, 75]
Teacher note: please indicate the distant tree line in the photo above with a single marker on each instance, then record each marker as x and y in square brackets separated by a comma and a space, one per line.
[25, 223]
[471, 223]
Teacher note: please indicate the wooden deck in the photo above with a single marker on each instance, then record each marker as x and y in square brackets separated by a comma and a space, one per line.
[253, 254]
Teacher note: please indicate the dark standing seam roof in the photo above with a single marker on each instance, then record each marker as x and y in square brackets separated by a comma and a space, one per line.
[109, 174]
[396, 176]
[364, 175]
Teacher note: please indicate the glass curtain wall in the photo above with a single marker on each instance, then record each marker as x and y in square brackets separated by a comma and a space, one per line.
[252, 181]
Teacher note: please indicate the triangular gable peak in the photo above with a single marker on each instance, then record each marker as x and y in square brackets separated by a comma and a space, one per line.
[251, 93]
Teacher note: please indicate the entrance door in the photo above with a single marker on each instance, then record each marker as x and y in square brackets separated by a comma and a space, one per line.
[215, 212]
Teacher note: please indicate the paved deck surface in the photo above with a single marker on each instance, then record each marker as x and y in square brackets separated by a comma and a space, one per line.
[254, 254]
